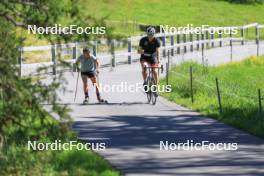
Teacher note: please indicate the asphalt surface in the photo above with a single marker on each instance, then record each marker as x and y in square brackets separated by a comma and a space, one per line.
[133, 129]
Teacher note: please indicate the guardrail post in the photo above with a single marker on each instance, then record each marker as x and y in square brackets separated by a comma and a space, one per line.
[113, 53]
[54, 59]
[19, 60]
[191, 40]
[257, 39]
[197, 39]
[221, 38]
[185, 41]
[74, 56]
[242, 36]
[172, 44]
[178, 42]
[129, 48]
[163, 38]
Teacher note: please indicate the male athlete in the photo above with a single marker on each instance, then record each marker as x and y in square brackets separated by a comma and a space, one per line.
[89, 69]
[149, 50]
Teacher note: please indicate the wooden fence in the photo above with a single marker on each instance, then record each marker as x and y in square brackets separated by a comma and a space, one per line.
[175, 42]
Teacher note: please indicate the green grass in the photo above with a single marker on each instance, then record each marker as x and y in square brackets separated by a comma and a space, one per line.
[175, 12]
[20, 161]
[239, 83]
[125, 15]
[16, 159]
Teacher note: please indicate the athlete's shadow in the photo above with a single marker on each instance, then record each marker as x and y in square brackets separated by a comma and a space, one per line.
[94, 104]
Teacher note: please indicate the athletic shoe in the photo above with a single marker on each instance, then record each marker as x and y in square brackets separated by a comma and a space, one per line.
[145, 86]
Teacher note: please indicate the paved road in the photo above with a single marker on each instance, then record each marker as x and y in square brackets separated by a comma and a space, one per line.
[132, 129]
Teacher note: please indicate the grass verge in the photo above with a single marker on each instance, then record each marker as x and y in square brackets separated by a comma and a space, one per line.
[21, 161]
[17, 159]
[239, 83]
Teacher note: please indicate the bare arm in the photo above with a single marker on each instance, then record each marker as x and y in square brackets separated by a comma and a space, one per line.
[97, 65]
[140, 50]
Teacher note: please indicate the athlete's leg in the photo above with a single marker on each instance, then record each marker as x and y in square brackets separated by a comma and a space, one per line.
[95, 83]
[85, 85]
[144, 70]
[156, 75]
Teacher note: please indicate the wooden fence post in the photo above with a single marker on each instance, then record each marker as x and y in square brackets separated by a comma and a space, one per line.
[219, 96]
[231, 41]
[191, 40]
[172, 44]
[129, 48]
[74, 56]
[95, 48]
[54, 59]
[178, 42]
[163, 38]
[203, 53]
[202, 39]
[113, 53]
[169, 59]
[207, 37]
[242, 36]
[221, 37]
[260, 101]
[231, 50]
[197, 39]
[167, 73]
[212, 38]
[185, 40]
[257, 39]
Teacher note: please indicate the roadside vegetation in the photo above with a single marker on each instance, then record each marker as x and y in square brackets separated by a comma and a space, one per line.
[125, 15]
[23, 117]
[238, 83]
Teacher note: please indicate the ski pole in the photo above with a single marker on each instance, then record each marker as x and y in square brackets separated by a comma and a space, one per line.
[76, 85]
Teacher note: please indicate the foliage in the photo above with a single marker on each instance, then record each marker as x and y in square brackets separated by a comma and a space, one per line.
[22, 116]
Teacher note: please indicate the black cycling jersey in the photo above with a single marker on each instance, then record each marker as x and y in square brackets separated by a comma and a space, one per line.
[149, 47]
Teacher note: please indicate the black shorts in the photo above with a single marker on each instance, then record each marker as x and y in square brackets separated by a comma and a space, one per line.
[149, 59]
[90, 74]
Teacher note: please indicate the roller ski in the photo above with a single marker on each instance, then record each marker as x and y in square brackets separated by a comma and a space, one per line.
[86, 101]
[102, 101]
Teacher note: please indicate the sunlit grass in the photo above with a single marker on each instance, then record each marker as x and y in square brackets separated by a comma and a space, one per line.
[239, 83]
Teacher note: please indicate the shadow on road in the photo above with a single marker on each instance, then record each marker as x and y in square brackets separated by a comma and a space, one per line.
[130, 133]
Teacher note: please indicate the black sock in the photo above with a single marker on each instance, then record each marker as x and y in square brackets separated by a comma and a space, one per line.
[98, 95]
[86, 94]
